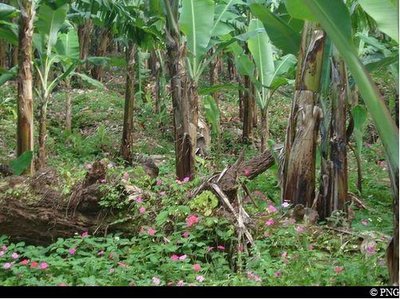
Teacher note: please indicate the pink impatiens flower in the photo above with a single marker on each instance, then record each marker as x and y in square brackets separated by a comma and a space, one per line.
[175, 257]
[4, 247]
[183, 257]
[299, 229]
[100, 253]
[192, 220]
[34, 265]
[43, 265]
[196, 267]
[269, 222]
[85, 234]
[2, 253]
[371, 250]
[285, 204]
[142, 210]
[24, 262]
[15, 255]
[156, 281]
[151, 231]
[180, 283]
[200, 278]
[271, 209]
[247, 172]
[220, 247]
[7, 265]
[186, 179]
[338, 269]
[185, 234]
[72, 251]
[278, 274]
[159, 182]
[139, 199]
[125, 176]
[253, 276]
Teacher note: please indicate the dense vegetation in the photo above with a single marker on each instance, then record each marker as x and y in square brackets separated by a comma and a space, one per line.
[79, 205]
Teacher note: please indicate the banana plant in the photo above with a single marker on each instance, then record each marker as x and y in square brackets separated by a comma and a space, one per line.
[269, 73]
[327, 13]
[334, 17]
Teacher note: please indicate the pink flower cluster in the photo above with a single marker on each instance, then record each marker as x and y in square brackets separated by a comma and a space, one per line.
[185, 180]
[192, 220]
[176, 257]
[253, 276]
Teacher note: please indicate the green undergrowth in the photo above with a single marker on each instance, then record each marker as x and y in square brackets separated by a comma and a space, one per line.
[181, 241]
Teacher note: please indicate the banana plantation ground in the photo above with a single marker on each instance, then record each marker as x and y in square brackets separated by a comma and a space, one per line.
[170, 237]
[199, 143]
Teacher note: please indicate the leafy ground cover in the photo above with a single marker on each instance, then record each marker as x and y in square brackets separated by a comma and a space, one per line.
[177, 241]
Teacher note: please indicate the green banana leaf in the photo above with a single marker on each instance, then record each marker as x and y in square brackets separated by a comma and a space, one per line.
[386, 15]
[196, 22]
[261, 49]
[281, 34]
[49, 23]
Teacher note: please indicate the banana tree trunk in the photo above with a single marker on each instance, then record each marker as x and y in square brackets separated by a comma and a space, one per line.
[248, 112]
[84, 35]
[3, 54]
[253, 103]
[298, 177]
[68, 107]
[25, 96]
[98, 70]
[264, 129]
[184, 97]
[231, 67]
[333, 189]
[241, 96]
[42, 155]
[127, 138]
[214, 74]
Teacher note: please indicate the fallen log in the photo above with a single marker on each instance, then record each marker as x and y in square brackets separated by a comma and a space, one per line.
[33, 210]
[228, 179]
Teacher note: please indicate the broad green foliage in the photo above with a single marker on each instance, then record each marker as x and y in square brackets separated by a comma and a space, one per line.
[386, 15]
[196, 22]
[328, 12]
[281, 34]
[261, 50]
[8, 30]
[204, 203]
[68, 45]
[49, 23]
[212, 113]
[20, 164]
[359, 116]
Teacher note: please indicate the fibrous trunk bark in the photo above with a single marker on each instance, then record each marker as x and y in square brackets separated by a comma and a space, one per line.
[98, 70]
[127, 131]
[264, 128]
[214, 74]
[3, 54]
[333, 186]
[248, 110]
[298, 173]
[25, 96]
[84, 33]
[68, 107]
[184, 98]
[241, 96]
[42, 155]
